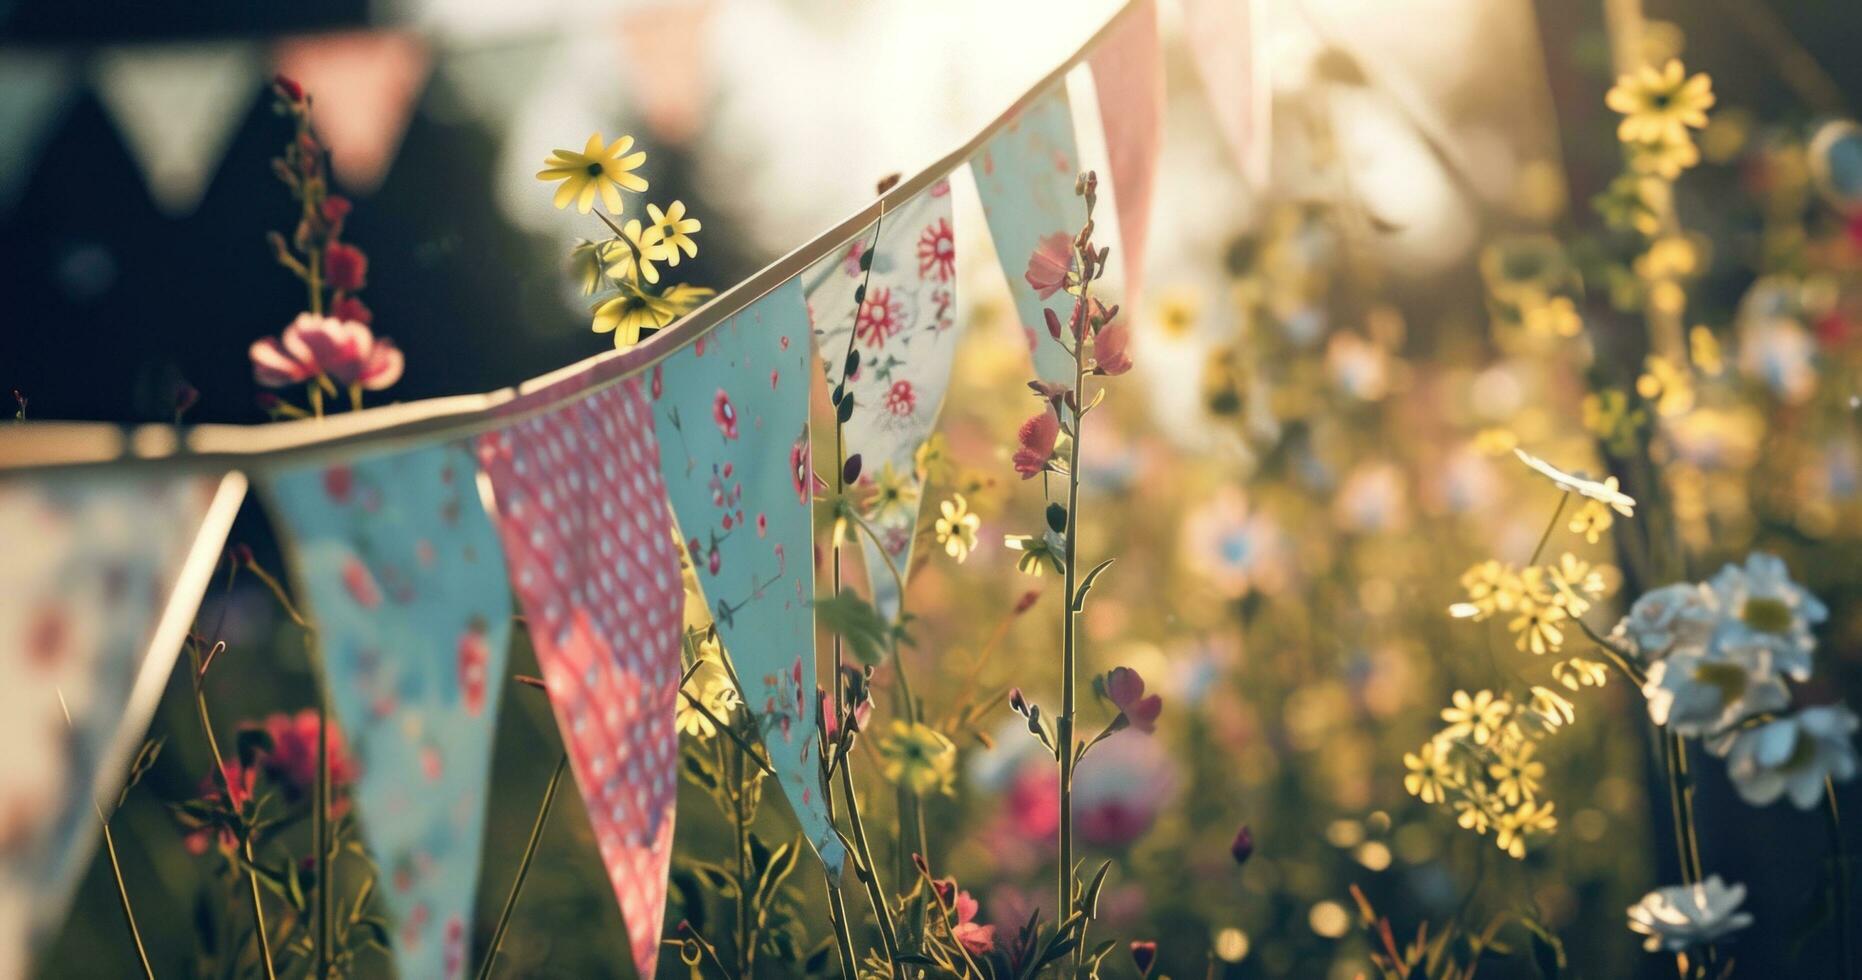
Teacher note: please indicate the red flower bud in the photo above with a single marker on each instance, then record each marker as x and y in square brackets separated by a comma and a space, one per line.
[352, 309]
[1243, 847]
[288, 87]
[345, 267]
[1144, 956]
[1027, 601]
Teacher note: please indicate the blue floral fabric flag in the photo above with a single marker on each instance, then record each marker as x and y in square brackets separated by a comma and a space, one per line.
[904, 331]
[731, 412]
[103, 574]
[406, 583]
[1024, 176]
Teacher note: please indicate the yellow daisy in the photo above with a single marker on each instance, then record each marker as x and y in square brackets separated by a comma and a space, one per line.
[1660, 105]
[628, 312]
[956, 530]
[597, 170]
[631, 257]
[675, 229]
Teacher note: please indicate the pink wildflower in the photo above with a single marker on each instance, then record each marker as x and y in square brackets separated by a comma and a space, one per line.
[1050, 263]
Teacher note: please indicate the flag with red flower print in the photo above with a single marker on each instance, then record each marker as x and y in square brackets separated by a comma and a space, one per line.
[405, 580]
[731, 412]
[581, 506]
[1025, 176]
[102, 577]
[1128, 78]
[903, 332]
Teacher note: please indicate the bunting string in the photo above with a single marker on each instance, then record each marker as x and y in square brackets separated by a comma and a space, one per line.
[45, 445]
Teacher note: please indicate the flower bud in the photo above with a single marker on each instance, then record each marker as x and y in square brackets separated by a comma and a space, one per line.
[1243, 847]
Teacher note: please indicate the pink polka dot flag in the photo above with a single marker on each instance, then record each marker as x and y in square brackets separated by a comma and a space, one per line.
[582, 511]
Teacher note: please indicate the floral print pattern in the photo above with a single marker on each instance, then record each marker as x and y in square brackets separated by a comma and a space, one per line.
[1024, 176]
[582, 510]
[759, 583]
[899, 386]
[93, 562]
[406, 581]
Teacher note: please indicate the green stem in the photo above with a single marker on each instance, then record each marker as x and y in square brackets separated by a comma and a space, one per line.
[1069, 638]
[523, 867]
[1839, 857]
[245, 842]
[843, 940]
[746, 943]
[122, 894]
[320, 827]
[869, 876]
[1563, 499]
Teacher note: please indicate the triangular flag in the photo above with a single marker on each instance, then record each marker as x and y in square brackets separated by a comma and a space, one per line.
[582, 510]
[666, 58]
[1025, 176]
[491, 83]
[1128, 77]
[34, 90]
[362, 86]
[731, 411]
[103, 574]
[177, 107]
[1222, 35]
[405, 580]
[904, 333]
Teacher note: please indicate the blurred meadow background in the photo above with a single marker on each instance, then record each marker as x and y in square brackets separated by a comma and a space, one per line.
[1332, 370]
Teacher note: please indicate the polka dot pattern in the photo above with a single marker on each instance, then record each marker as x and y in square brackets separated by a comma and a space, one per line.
[582, 510]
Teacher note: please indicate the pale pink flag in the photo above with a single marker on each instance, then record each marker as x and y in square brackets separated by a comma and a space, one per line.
[581, 509]
[1222, 36]
[362, 86]
[664, 51]
[1128, 75]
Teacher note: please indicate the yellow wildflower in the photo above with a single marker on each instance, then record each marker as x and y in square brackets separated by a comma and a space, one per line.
[1591, 520]
[631, 257]
[1657, 103]
[1537, 626]
[1664, 157]
[630, 311]
[716, 692]
[596, 171]
[675, 230]
[1475, 717]
[1578, 672]
[1492, 587]
[956, 530]
[933, 459]
[918, 756]
[1516, 774]
[894, 494]
[1553, 708]
[1430, 772]
[1514, 826]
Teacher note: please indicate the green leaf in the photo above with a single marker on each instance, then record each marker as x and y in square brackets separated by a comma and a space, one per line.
[1089, 901]
[854, 620]
[1086, 585]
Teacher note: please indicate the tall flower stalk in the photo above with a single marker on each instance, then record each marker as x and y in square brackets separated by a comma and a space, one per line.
[1097, 345]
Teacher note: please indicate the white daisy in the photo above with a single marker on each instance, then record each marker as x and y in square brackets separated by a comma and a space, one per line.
[1763, 609]
[1792, 756]
[1679, 617]
[1680, 917]
[1605, 492]
[1697, 693]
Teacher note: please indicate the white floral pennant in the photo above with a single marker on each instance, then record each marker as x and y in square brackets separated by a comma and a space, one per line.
[903, 333]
